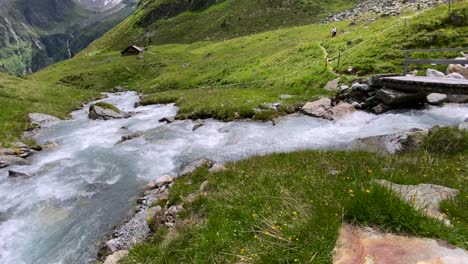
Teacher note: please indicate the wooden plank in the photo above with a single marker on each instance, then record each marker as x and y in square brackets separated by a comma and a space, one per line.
[427, 84]
[428, 61]
[436, 50]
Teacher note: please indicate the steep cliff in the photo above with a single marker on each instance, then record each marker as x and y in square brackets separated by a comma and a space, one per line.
[35, 34]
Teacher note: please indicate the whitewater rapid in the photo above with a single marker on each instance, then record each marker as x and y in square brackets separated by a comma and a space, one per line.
[88, 184]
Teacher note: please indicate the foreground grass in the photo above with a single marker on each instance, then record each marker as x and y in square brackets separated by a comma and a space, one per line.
[287, 208]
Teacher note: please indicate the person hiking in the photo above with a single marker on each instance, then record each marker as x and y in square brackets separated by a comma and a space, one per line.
[333, 32]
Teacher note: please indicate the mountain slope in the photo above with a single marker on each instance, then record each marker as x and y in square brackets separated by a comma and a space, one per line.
[34, 34]
[179, 21]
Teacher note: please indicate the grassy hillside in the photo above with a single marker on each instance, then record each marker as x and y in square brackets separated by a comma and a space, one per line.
[177, 21]
[228, 79]
[18, 97]
[288, 208]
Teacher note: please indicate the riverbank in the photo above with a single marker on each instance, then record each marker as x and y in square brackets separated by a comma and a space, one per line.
[290, 207]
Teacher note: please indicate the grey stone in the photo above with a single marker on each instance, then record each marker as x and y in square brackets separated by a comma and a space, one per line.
[455, 76]
[17, 174]
[97, 112]
[163, 180]
[42, 120]
[167, 120]
[130, 137]
[392, 97]
[319, 108]
[380, 108]
[218, 167]
[197, 126]
[332, 85]
[457, 98]
[436, 98]
[6, 151]
[393, 143]
[434, 73]
[10, 160]
[425, 197]
[116, 257]
[341, 110]
[457, 68]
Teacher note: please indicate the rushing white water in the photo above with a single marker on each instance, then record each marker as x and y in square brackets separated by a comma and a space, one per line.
[84, 187]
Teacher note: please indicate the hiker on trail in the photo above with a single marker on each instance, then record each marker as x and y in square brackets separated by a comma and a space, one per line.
[333, 32]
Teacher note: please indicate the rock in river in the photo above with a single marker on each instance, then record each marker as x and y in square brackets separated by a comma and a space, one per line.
[319, 108]
[9, 160]
[104, 113]
[17, 174]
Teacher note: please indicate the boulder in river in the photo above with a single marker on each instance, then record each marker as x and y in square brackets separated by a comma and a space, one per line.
[457, 98]
[341, 110]
[393, 143]
[457, 68]
[434, 73]
[42, 120]
[197, 126]
[17, 174]
[10, 160]
[437, 98]
[167, 120]
[369, 245]
[105, 111]
[319, 108]
[394, 97]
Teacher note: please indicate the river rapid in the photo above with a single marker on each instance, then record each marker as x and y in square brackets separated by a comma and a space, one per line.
[87, 185]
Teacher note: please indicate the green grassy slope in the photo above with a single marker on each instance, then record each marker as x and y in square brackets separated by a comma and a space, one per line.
[212, 20]
[288, 208]
[18, 97]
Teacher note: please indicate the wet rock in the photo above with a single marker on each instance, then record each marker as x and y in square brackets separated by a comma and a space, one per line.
[455, 76]
[197, 126]
[130, 137]
[356, 245]
[341, 110]
[163, 180]
[457, 68]
[116, 257]
[118, 89]
[17, 174]
[332, 85]
[380, 109]
[394, 97]
[436, 98]
[193, 165]
[96, 112]
[49, 145]
[393, 143]
[167, 120]
[434, 73]
[425, 197]
[10, 160]
[457, 98]
[319, 108]
[42, 120]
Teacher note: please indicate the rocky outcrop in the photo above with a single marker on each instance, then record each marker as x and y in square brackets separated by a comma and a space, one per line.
[357, 245]
[425, 197]
[11, 160]
[319, 108]
[382, 8]
[394, 97]
[393, 143]
[39, 120]
[102, 113]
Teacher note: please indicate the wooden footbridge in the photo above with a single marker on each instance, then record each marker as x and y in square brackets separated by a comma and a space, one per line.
[428, 84]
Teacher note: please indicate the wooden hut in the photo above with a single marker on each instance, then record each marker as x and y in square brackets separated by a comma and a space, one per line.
[132, 51]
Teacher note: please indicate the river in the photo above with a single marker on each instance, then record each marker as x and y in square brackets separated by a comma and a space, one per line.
[82, 188]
